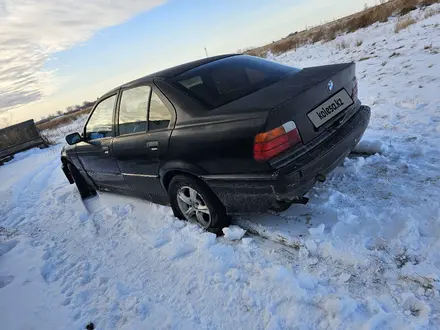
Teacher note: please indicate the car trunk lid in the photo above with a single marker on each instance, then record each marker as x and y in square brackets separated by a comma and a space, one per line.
[319, 96]
[315, 99]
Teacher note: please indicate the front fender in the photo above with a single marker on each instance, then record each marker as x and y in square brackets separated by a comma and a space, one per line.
[63, 153]
[68, 155]
[66, 170]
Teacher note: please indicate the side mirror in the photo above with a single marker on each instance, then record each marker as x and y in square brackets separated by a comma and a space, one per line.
[73, 138]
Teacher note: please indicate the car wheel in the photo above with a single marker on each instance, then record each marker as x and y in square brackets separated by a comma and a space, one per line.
[192, 200]
[84, 188]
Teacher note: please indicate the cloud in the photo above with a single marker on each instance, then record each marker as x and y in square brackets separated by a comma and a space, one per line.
[32, 30]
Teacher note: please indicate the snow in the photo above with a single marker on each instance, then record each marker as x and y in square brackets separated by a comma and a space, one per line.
[370, 147]
[363, 254]
[317, 231]
[233, 233]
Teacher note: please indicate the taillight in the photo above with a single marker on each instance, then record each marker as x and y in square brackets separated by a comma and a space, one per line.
[354, 93]
[269, 144]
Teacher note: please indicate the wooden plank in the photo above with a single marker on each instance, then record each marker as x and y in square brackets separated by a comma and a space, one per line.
[23, 146]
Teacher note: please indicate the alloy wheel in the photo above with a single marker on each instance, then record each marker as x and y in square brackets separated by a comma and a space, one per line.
[193, 206]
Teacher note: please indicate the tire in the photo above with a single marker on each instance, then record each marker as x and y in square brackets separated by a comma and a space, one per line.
[84, 188]
[206, 201]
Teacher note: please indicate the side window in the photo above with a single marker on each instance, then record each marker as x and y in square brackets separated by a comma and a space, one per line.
[133, 110]
[159, 115]
[100, 123]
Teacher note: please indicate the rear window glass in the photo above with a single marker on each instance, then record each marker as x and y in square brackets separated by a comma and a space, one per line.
[229, 79]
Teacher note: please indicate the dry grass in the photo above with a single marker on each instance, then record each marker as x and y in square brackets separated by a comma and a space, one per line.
[406, 10]
[403, 23]
[330, 31]
[251, 51]
[290, 43]
[317, 36]
[368, 17]
[281, 47]
[62, 120]
[254, 52]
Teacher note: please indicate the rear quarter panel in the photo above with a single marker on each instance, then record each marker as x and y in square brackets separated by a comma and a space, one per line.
[219, 144]
[218, 141]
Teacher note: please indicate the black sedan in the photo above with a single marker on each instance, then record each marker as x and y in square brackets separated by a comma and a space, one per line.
[218, 136]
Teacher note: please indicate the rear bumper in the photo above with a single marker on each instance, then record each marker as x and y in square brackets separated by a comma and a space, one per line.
[242, 193]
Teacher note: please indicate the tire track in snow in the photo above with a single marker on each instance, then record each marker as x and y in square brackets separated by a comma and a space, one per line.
[27, 191]
[25, 184]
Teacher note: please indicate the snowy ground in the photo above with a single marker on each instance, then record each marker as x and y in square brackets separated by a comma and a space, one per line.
[363, 254]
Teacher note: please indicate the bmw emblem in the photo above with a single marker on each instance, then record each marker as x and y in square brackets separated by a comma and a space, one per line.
[330, 85]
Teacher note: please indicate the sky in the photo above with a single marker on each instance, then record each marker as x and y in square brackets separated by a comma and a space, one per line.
[57, 53]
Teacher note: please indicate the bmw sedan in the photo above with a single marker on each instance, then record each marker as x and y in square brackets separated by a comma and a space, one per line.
[218, 136]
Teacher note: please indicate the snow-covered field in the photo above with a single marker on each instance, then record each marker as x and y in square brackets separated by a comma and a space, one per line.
[363, 254]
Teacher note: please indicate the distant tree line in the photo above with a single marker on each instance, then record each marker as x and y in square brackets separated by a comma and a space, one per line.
[69, 110]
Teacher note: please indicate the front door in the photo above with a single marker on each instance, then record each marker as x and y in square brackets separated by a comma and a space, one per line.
[145, 121]
[95, 152]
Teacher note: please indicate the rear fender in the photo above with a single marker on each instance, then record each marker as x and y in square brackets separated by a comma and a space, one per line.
[172, 168]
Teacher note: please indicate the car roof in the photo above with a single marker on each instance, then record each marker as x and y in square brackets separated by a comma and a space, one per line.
[170, 72]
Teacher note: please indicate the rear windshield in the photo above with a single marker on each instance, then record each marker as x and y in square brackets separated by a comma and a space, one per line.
[229, 79]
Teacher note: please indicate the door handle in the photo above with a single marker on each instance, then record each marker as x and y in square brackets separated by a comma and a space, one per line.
[106, 150]
[153, 145]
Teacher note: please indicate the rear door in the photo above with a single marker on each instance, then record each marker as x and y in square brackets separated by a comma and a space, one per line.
[145, 120]
[95, 152]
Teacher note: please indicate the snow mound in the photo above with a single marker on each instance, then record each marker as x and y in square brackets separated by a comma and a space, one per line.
[233, 233]
[370, 147]
[318, 230]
